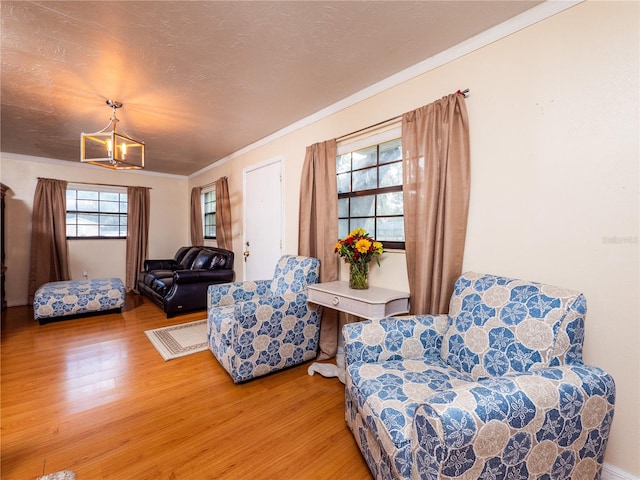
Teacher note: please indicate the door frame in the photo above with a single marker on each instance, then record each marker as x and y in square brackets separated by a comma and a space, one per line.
[247, 170]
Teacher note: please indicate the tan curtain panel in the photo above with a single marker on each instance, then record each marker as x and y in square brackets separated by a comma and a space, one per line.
[224, 236]
[436, 184]
[137, 234]
[49, 259]
[318, 228]
[197, 235]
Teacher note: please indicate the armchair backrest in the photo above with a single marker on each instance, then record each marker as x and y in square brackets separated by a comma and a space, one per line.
[501, 325]
[293, 274]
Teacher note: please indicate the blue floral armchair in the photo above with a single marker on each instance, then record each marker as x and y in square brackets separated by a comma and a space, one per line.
[494, 390]
[258, 327]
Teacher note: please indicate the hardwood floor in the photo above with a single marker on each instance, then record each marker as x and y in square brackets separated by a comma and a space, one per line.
[92, 395]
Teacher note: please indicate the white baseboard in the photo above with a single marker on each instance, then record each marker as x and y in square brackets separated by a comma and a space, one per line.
[609, 472]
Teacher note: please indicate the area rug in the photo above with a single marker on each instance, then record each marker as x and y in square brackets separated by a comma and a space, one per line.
[63, 475]
[179, 340]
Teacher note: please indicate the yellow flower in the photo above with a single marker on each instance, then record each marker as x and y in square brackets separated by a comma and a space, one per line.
[378, 247]
[358, 231]
[363, 245]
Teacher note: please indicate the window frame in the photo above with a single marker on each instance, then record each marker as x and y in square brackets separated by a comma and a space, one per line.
[367, 140]
[98, 189]
[206, 215]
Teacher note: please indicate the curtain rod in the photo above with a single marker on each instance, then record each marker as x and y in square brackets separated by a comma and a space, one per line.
[211, 183]
[342, 137]
[98, 184]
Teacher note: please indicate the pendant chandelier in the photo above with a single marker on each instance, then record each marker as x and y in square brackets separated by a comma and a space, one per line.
[110, 149]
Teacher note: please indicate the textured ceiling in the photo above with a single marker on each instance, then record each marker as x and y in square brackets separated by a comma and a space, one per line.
[202, 79]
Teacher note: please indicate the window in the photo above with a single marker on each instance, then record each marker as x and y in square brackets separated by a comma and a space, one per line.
[96, 212]
[209, 210]
[370, 192]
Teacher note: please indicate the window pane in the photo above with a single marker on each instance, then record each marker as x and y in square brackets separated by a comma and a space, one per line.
[343, 208]
[365, 158]
[390, 204]
[365, 179]
[367, 223]
[391, 151]
[343, 163]
[344, 183]
[391, 175]
[109, 231]
[71, 200]
[87, 195]
[109, 207]
[88, 230]
[123, 207]
[343, 228]
[88, 205]
[110, 219]
[210, 207]
[390, 229]
[362, 206]
[71, 230]
[109, 196]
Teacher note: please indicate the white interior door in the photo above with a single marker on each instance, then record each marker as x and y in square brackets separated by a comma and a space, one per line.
[263, 222]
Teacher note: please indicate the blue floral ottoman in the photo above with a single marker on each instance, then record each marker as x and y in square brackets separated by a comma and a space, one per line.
[76, 297]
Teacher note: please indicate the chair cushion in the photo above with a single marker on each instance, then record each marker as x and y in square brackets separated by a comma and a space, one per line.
[389, 392]
[501, 326]
[293, 274]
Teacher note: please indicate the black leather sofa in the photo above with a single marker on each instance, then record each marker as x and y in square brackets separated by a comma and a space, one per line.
[179, 285]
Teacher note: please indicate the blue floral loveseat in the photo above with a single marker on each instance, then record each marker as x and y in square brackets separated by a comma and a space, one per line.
[259, 327]
[496, 389]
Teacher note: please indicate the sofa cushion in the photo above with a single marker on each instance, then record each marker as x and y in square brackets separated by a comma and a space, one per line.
[149, 277]
[182, 251]
[219, 261]
[189, 257]
[162, 285]
[501, 326]
[203, 260]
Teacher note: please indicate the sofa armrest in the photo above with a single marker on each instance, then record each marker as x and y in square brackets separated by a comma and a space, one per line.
[181, 277]
[165, 264]
[231, 293]
[394, 338]
[570, 407]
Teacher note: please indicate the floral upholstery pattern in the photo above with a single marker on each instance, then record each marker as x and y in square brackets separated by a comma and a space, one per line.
[258, 327]
[75, 297]
[496, 389]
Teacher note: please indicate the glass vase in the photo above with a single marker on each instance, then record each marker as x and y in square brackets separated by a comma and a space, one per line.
[358, 276]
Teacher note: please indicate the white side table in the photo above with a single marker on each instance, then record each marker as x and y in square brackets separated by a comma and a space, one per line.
[373, 303]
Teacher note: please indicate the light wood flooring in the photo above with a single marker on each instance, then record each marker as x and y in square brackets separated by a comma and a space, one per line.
[92, 395]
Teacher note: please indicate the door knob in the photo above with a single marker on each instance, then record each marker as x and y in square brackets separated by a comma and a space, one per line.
[246, 253]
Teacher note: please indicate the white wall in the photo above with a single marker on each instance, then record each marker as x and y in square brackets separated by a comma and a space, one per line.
[554, 191]
[168, 225]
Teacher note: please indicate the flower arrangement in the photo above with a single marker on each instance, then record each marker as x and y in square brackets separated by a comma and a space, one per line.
[358, 249]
